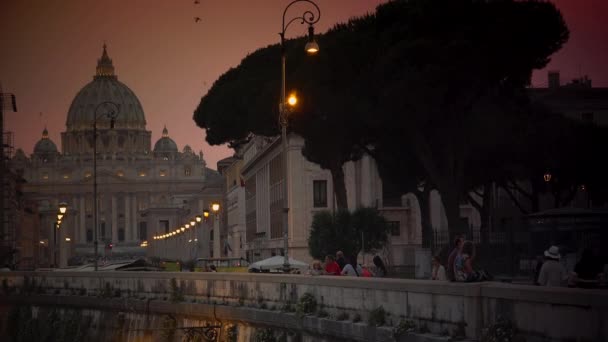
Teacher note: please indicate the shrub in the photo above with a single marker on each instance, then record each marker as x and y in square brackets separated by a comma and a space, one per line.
[307, 304]
[377, 317]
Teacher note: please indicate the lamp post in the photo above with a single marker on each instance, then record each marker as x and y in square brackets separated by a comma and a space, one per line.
[109, 110]
[311, 47]
[215, 208]
[61, 211]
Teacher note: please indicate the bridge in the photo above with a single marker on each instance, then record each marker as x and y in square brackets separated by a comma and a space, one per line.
[240, 306]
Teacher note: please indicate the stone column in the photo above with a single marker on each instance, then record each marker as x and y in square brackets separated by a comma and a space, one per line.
[74, 219]
[114, 220]
[128, 235]
[134, 227]
[83, 219]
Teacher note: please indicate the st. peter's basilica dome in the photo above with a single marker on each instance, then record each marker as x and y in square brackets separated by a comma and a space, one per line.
[105, 87]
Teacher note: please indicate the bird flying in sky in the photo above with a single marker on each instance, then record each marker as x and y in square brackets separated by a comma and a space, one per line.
[197, 19]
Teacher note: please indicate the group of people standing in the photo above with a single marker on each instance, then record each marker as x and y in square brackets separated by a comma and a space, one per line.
[347, 266]
[460, 264]
[588, 272]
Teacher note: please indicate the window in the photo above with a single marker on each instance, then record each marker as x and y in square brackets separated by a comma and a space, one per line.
[187, 171]
[120, 174]
[45, 176]
[121, 234]
[395, 227]
[163, 173]
[142, 173]
[319, 193]
[163, 225]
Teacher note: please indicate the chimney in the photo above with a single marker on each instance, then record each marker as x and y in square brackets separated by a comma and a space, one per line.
[553, 77]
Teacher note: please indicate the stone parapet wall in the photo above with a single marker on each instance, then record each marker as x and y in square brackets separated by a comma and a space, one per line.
[547, 314]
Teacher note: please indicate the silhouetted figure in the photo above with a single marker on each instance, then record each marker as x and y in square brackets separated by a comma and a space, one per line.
[340, 259]
[438, 271]
[587, 270]
[380, 268]
[452, 257]
[552, 273]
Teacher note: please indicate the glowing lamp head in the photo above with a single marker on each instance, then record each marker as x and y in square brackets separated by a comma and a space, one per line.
[184, 228]
[198, 218]
[311, 46]
[192, 223]
[547, 177]
[206, 213]
[215, 207]
[59, 217]
[292, 100]
[63, 207]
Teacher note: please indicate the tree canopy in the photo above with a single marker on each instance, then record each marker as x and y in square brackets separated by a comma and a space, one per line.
[446, 78]
[346, 231]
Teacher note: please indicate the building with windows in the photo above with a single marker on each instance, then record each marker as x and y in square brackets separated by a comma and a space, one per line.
[143, 189]
[310, 189]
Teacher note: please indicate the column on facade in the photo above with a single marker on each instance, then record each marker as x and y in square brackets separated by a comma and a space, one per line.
[82, 215]
[133, 225]
[75, 220]
[114, 220]
[128, 235]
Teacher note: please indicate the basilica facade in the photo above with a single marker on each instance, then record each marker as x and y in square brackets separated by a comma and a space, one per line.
[143, 190]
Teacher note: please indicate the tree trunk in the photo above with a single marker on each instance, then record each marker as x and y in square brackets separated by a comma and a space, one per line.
[485, 212]
[337, 176]
[425, 216]
[451, 204]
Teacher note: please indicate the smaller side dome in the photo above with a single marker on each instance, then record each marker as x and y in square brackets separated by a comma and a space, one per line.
[165, 144]
[45, 145]
[188, 149]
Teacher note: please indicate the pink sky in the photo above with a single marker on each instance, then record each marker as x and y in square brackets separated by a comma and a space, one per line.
[50, 49]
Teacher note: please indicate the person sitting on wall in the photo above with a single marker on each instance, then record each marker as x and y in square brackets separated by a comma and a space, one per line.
[316, 268]
[340, 259]
[552, 273]
[365, 271]
[380, 270]
[463, 265]
[351, 269]
[331, 266]
[437, 270]
[458, 242]
[587, 271]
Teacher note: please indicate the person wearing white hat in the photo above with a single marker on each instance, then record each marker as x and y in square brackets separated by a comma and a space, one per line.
[552, 273]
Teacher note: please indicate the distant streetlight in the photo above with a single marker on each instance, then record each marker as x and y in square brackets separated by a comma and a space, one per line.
[215, 207]
[547, 177]
[311, 47]
[110, 110]
[62, 210]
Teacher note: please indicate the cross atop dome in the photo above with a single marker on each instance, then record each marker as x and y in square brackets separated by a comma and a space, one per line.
[165, 132]
[104, 65]
[45, 133]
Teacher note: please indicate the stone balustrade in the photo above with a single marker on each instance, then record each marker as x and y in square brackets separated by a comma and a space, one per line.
[441, 308]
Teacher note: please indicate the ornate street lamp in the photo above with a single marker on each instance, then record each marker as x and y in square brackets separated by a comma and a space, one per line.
[311, 47]
[547, 177]
[110, 111]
